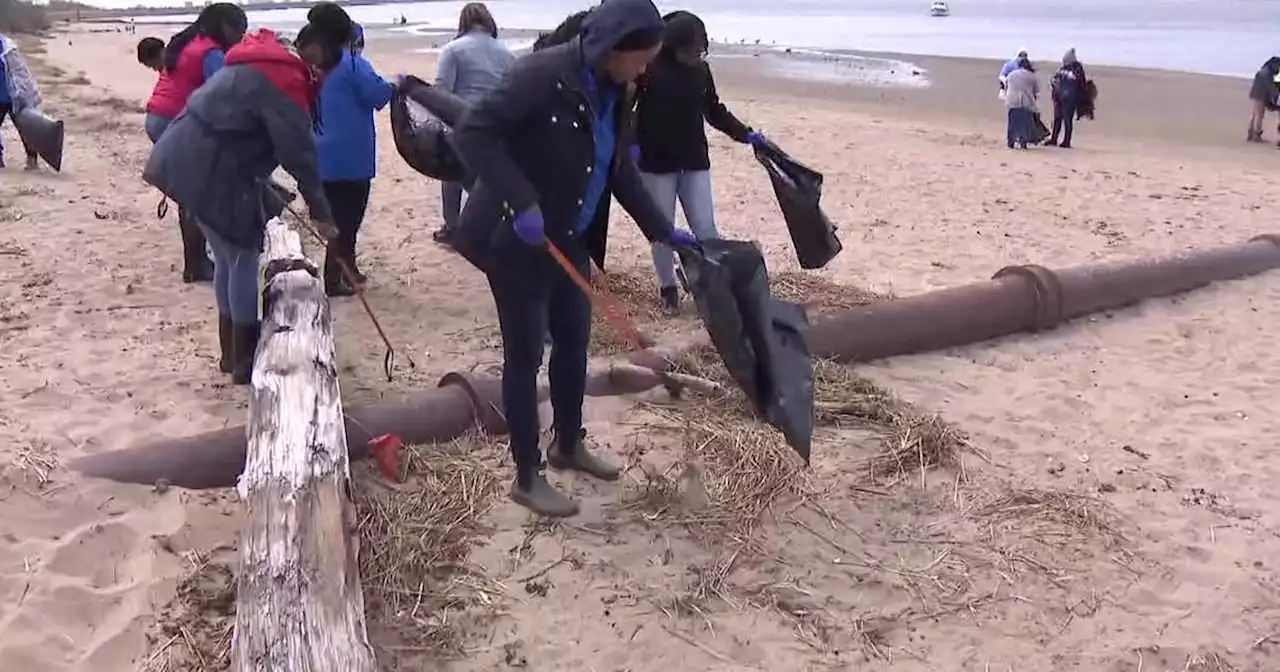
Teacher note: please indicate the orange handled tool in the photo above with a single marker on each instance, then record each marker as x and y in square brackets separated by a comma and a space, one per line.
[608, 304]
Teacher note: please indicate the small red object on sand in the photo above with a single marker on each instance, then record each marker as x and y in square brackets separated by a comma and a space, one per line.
[384, 449]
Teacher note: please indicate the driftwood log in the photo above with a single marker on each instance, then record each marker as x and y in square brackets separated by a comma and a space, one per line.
[298, 600]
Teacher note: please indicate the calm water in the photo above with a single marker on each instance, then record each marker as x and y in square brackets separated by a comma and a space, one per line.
[1230, 37]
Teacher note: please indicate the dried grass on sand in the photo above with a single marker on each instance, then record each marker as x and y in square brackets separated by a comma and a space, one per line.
[195, 627]
[818, 294]
[415, 540]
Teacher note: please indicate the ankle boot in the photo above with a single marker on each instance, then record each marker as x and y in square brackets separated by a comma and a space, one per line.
[571, 454]
[196, 266]
[335, 281]
[534, 493]
[244, 344]
[226, 363]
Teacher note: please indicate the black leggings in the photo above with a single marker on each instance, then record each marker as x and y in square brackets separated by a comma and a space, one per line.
[348, 200]
[6, 110]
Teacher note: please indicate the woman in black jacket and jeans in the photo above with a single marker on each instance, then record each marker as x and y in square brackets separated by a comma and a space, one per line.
[672, 100]
[545, 150]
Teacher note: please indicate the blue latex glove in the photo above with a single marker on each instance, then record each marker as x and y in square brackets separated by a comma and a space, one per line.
[635, 153]
[529, 226]
[755, 138]
[681, 238]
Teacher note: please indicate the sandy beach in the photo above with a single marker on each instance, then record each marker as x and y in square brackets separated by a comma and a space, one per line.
[1114, 508]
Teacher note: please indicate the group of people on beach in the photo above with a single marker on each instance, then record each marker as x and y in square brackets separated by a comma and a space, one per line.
[1071, 91]
[610, 105]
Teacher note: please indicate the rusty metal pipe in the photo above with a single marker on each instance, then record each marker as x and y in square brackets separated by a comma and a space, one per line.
[1027, 298]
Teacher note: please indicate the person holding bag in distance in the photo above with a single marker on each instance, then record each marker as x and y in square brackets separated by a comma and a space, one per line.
[548, 149]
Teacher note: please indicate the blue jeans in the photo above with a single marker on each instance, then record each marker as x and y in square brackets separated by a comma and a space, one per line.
[693, 190]
[154, 125]
[235, 278]
[1021, 126]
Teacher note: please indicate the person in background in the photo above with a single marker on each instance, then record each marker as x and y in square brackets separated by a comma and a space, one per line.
[1262, 96]
[545, 147]
[17, 92]
[1069, 87]
[151, 53]
[217, 156]
[470, 66]
[673, 99]
[1022, 87]
[192, 56]
[347, 144]
[1008, 67]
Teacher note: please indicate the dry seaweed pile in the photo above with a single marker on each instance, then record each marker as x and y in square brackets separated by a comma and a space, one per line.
[639, 299]
[415, 540]
[818, 294]
[195, 627]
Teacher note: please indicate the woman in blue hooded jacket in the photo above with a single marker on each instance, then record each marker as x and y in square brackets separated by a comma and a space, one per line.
[346, 142]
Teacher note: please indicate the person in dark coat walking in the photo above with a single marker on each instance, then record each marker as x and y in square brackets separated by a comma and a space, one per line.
[217, 157]
[1262, 96]
[674, 99]
[548, 149]
[1069, 87]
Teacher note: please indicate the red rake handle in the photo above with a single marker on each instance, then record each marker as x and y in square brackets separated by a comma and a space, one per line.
[614, 312]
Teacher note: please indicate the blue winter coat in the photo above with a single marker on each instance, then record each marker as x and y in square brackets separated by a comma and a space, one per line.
[345, 136]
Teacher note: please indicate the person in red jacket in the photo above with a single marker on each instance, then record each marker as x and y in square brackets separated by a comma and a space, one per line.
[192, 56]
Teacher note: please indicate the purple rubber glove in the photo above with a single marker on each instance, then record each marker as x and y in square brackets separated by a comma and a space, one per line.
[682, 238]
[529, 226]
[755, 138]
[635, 153]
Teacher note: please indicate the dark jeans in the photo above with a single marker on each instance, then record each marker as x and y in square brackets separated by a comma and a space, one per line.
[6, 110]
[1021, 126]
[451, 203]
[348, 200]
[533, 296]
[1064, 120]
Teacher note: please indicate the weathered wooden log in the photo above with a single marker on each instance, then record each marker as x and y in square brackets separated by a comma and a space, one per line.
[298, 600]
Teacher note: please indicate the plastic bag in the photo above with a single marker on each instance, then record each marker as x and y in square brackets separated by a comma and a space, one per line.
[799, 192]
[41, 133]
[1039, 132]
[761, 339]
[420, 125]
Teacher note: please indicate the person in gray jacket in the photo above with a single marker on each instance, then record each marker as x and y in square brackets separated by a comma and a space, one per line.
[1021, 90]
[217, 156]
[469, 67]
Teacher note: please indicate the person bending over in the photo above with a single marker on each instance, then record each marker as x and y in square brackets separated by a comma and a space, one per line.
[1022, 88]
[151, 53]
[347, 142]
[673, 98]
[217, 156]
[545, 149]
[1262, 96]
[192, 56]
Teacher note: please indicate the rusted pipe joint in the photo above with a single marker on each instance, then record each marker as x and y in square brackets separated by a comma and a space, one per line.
[1272, 238]
[1046, 292]
[486, 414]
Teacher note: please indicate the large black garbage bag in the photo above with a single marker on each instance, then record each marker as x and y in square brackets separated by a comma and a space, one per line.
[421, 117]
[41, 133]
[761, 339]
[799, 192]
[1039, 132]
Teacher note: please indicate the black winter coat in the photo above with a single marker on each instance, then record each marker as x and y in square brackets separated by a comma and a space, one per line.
[672, 101]
[529, 142]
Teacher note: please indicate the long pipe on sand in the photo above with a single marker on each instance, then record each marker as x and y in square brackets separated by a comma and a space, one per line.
[1018, 298]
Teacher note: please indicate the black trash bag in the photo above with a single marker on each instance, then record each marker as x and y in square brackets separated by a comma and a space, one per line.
[1039, 132]
[761, 339]
[421, 116]
[799, 192]
[41, 133]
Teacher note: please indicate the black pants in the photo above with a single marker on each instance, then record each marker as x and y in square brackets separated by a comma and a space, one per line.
[348, 199]
[533, 297]
[1064, 120]
[6, 110]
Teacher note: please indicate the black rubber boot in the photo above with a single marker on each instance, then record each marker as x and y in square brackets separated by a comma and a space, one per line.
[196, 266]
[670, 298]
[574, 456]
[542, 498]
[335, 281]
[226, 363]
[244, 345]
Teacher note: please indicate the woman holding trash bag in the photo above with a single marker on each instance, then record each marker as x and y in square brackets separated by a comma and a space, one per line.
[1022, 87]
[1070, 92]
[192, 56]
[673, 99]
[254, 115]
[347, 144]
[545, 148]
[469, 67]
[17, 92]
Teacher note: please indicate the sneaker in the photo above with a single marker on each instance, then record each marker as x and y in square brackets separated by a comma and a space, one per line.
[670, 298]
[578, 458]
[542, 498]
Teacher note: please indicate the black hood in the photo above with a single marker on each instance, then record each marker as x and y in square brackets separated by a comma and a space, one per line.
[612, 20]
[1273, 65]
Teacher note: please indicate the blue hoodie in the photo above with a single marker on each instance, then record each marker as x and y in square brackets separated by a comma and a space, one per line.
[345, 138]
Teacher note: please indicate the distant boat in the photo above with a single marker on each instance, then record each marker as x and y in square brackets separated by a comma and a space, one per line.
[939, 8]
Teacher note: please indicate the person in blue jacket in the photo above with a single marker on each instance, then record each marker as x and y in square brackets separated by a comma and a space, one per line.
[346, 142]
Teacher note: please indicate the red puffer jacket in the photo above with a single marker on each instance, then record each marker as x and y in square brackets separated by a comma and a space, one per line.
[175, 86]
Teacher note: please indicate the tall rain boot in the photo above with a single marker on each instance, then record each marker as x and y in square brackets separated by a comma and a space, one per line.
[196, 266]
[226, 344]
[244, 345]
[335, 281]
